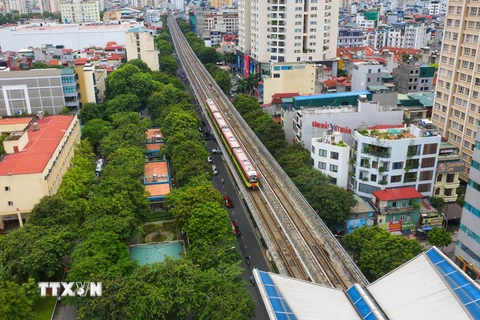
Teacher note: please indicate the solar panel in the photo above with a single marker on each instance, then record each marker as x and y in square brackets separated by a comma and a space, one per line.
[360, 304]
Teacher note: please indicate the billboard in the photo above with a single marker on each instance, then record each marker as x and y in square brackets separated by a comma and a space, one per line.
[246, 63]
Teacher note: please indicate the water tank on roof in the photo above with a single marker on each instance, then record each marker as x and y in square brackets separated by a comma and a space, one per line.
[362, 97]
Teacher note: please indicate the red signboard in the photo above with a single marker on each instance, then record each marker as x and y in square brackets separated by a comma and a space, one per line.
[331, 127]
[395, 226]
[246, 66]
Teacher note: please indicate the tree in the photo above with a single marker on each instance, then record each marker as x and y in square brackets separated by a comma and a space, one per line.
[52, 211]
[101, 254]
[222, 78]
[332, 203]
[438, 203]
[377, 251]
[164, 46]
[15, 301]
[230, 57]
[165, 78]
[439, 237]
[182, 201]
[35, 251]
[207, 55]
[122, 103]
[209, 223]
[95, 131]
[130, 162]
[168, 64]
[90, 111]
[42, 65]
[140, 65]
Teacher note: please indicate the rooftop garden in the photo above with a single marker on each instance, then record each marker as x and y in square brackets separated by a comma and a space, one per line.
[390, 134]
[339, 144]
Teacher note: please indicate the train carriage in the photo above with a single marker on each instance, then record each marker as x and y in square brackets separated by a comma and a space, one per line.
[241, 159]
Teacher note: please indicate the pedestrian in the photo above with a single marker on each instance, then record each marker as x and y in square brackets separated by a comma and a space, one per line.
[59, 299]
[223, 180]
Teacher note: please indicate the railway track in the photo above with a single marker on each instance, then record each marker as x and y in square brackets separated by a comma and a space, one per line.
[293, 239]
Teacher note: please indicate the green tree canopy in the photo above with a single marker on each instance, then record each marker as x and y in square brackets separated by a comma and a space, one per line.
[140, 65]
[122, 103]
[209, 223]
[439, 237]
[378, 252]
[90, 111]
[95, 131]
[35, 251]
[15, 302]
[168, 64]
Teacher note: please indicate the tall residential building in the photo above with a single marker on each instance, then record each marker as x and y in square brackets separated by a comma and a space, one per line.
[16, 5]
[38, 151]
[139, 44]
[78, 11]
[91, 83]
[468, 241]
[457, 101]
[308, 32]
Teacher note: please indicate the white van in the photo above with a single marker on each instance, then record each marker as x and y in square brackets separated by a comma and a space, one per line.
[214, 169]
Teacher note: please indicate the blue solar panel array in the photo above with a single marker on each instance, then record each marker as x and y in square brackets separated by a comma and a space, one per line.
[359, 303]
[466, 292]
[279, 305]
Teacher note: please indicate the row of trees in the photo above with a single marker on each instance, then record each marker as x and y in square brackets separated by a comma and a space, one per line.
[206, 282]
[209, 57]
[14, 16]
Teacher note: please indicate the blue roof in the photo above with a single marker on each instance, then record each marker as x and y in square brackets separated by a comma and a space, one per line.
[460, 284]
[278, 303]
[360, 304]
[332, 95]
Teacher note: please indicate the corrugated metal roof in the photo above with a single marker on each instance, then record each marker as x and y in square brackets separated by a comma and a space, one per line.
[420, 289]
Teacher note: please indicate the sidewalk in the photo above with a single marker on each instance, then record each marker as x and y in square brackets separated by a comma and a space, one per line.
[65, 312]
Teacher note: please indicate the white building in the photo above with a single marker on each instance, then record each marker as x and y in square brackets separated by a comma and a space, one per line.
[139, 44]
[393, 157]
[70, 35]
[179, 4]
[407, 35]
[301, 124]
[79, 11]
[307, 33]
[367, 19]
[223, 21]
[330, 155]
[15, 5]
[367, 73]
[436, 7]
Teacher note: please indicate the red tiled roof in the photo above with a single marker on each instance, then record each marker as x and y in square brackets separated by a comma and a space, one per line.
[67, 50]
[397, 194]
[39, 149]
[111, 43]
[157, 190]
[115, 57]
[54, 62]
[116, 47]
[277, 97]
[7, 121]
[80, 61]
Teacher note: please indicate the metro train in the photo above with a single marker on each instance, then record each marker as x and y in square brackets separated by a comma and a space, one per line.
[241, 159]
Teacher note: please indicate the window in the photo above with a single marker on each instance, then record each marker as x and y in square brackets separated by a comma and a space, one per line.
[322, 165]
[430, 148]
[428, 162]
[397, 165]
[333, 168]
[426, 175]
[424, 187]
[334, 155]
[7, 188]
[373, 177]
[395, 179]
[322, 153]
[313, 149]
[10, 203]
[276, 75]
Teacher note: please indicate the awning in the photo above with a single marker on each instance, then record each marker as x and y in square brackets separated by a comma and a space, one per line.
[427, 228]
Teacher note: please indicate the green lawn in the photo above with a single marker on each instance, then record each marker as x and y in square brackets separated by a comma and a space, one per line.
[43, 307]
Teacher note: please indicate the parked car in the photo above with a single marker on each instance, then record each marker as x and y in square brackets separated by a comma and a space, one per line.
[235, 228]
[214, 169]
[228, 202]
[217, 150]
[209, 159]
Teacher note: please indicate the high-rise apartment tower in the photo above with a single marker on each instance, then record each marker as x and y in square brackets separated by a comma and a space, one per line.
[307, 32]
[456, 110]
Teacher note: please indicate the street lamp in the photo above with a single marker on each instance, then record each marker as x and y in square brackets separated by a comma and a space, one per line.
[445, 217]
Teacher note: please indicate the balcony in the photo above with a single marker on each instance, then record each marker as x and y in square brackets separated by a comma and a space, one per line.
[377, 152]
